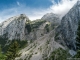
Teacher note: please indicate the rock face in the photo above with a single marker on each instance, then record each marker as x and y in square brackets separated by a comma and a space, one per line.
[40, 48]
[21, 28]
[14, 27]
[69, 24]
[53, 18]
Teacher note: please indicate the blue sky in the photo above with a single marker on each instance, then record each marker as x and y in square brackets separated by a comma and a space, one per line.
[29, 3]
[34, 9]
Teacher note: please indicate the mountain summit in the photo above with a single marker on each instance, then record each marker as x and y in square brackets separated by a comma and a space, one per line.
[69, 25]
[14, 27]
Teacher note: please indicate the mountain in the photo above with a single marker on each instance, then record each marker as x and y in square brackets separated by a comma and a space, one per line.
[53, 18]
[40, 32]
[67, 31]
[21, 28]
[14, 27]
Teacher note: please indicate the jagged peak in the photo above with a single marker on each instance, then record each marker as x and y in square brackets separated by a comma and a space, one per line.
[23, 15]
[14, 18]
[77, 3]
[50, 14]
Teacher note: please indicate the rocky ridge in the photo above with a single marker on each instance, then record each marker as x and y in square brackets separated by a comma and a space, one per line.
[68, 28]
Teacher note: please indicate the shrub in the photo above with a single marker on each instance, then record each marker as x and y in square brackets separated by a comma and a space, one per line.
[47, 27]
[12, 52]
[78, 54]
[59, 54]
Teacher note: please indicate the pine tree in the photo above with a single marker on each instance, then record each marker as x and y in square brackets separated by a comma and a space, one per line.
[2, 56]
[78, 38]
[78, 42]
[78, 54]
[0, 48]
[12, 52]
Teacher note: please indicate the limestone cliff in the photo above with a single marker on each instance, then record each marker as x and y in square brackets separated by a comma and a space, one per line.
[68, 28]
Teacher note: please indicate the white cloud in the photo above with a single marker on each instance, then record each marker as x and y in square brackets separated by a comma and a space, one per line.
[61, 8]
[18, 3]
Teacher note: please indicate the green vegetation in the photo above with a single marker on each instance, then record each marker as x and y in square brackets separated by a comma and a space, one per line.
[47, 27]
[22, 44]
[78, 38]
[77, 55]
[28, 26]
[36, 52]
[48, 41]
[78, 42]
[12, 52]
[40, 48]
[3, 41]
[45, 57]
[0, 48]
[8, 47]
[59, 54]
[30, 55]
[56, 36]
[37, 23]
[2, 56]
[31, 25]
